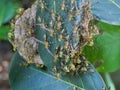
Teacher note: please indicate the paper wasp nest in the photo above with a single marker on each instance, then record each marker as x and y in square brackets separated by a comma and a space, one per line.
[24, 36]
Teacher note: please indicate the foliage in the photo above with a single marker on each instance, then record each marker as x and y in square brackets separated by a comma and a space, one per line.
[107, 11]
[76, 72]
[106, 48]
[109, 81]
[31, 78]
[3, 32]
[7, 11]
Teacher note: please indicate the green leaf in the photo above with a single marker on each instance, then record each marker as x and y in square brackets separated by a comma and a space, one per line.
[31, 78]
[45, 14]
[106, 49]
[4, 32]
[107, 11]
[7, 10]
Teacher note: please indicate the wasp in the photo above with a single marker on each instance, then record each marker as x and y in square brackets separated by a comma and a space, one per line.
[78, 61]
[59, 18]
[42, 5]
[53, 15]
[72, 1]
[20, 11]
[70, 17]
[66, 58]
[46, 44]
[55, 57]
[66, 45]
[58, 26]
[66, 69]
[83, 69]
[58, 75]
[60, 38]
[51, 24]
[77, 13]
[39, 19]
[60, 54]
[63, 5]
[72, 67]
[51, 32]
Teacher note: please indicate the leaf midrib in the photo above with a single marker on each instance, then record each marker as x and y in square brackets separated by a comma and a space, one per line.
[56, 78]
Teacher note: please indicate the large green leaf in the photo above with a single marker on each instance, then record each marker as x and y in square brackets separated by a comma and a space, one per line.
[4, 32]
[31, 78]
[106, 49]
[107, 11]
[7, 10]
[46, 16]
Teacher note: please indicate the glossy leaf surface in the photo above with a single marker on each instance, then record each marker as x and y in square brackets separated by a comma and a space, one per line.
[31, 78]
[106, 49]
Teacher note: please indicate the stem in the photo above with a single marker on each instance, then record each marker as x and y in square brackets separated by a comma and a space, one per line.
[109, 81]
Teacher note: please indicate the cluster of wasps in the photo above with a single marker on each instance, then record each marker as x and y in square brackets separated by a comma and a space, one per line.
[71, 32]
[12, 25]
[69, 23]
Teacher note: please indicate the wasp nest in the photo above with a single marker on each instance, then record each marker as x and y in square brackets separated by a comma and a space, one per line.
[23, 35]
